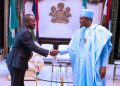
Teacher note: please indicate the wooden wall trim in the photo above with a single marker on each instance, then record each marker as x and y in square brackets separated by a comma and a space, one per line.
[54, 41]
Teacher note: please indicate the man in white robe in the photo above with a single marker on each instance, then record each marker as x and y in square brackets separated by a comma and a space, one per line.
[89, 50]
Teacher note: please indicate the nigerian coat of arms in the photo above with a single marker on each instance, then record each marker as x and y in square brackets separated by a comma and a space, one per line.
[60, 14]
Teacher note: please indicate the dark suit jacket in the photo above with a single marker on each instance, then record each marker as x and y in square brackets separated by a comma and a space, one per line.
[22, 48]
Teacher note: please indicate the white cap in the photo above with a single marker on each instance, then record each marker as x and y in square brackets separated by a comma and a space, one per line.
[87, 13]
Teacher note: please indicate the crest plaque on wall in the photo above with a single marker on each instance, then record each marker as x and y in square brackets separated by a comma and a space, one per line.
[60, 14]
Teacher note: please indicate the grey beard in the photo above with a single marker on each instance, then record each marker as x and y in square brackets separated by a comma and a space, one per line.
[81, 25]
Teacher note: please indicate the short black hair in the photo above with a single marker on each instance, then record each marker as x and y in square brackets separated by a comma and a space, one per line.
[27, 18]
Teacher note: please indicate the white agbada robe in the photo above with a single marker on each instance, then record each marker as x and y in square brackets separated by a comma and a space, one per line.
[87, 57]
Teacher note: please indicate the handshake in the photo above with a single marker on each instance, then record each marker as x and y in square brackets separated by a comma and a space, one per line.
[54, 52]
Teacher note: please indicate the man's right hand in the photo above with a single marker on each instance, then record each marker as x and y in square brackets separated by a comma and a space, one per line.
[54, 52]
[31, 55]
[102, 72]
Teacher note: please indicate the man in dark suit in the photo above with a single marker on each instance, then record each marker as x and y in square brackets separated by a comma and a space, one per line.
[17, 59]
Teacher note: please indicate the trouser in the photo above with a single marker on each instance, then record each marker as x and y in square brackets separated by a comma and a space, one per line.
[17, 76]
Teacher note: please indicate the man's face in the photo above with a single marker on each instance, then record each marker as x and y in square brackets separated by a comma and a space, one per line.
[83, 21]
[32, 22]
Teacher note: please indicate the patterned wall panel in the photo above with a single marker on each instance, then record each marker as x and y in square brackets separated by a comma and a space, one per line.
[1, 23]
[114, 16]
[119, 48]
[117, 44]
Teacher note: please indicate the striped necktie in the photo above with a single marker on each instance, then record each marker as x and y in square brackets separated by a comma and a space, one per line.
[33, 35]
